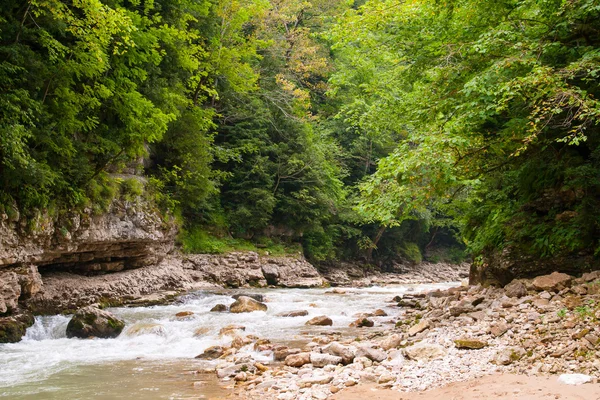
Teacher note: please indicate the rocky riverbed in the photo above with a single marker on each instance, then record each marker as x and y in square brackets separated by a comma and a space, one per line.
[542, 326]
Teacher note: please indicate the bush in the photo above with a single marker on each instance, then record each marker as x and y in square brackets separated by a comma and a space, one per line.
[412, 252]
[131, 189]
[197, 241]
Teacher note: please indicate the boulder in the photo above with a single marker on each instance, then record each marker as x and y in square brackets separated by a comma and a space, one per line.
[297, 360]
[296, 313]
[219, 308]
[552, 282]
[425, 352]
[13, 328]
[515, 289]
[319, 360]
[470, 344]
[255, 296]
[211, 353]
[91, 321]
[246, 304]
[321, 320]
[379, 313]
[344, 352]
[361, 323]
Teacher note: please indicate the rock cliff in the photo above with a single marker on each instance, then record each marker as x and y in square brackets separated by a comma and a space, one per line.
[132, 234]
[498, 268]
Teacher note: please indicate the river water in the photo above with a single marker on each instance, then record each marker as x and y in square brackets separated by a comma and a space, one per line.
[159, 363]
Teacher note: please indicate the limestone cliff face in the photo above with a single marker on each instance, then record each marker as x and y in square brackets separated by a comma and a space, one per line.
[130, 235]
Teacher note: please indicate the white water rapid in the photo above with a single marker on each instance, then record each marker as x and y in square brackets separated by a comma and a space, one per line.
[159, 364]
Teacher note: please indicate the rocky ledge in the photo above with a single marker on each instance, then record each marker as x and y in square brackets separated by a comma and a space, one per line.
[352, 274]
[545, 325]
[130, 235]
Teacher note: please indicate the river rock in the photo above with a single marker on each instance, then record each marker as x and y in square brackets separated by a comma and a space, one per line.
[211, 353]
[460, 309]
[391, 342]
[471, 344]
[142, 328]
[361, 323]
[315, 380]
[379, 313]
[508, 355]
[515, 289]
[296, 313]
[184, 315]
[420, 327]
[246, 304]
[219, 308]
[552, 282]
[280, 353]
[319, 360]
[297, 360]
[238, 342]
[425, 352]
[371, 353]
[321, 320]
[258, 297]
[498, 329]
[231, 330]
[92, 322]
[13, 328]
[346, 353]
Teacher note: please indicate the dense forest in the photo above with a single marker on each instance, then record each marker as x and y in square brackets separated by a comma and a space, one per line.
[357, 130]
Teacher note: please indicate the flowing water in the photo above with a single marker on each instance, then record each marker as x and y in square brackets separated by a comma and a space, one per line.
[154, 356]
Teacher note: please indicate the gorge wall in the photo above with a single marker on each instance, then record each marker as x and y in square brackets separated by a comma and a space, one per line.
[129, 236]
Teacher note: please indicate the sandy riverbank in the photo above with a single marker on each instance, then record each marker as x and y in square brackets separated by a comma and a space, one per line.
[492, 387]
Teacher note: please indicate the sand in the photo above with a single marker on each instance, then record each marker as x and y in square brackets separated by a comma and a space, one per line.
[500, 386]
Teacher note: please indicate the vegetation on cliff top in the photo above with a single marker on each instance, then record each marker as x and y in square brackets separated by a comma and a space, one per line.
[357, 129]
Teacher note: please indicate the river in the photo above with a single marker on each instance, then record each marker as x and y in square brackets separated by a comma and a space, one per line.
[160, 364]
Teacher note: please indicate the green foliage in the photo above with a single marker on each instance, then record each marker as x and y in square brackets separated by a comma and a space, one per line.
[131, 189]
[497, 109]
[199, 241]
[412, 252]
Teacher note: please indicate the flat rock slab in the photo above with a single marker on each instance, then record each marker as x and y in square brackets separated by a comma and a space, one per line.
[552, 282]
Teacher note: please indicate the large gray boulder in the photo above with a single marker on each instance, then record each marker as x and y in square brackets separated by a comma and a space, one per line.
[91, 322]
